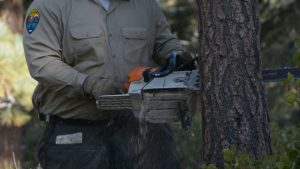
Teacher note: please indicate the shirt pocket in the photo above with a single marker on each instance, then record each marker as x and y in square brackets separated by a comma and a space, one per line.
[135, 45]
[88, 43]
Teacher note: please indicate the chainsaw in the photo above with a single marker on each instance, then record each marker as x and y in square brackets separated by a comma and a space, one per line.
[162, 100]
[171, 97]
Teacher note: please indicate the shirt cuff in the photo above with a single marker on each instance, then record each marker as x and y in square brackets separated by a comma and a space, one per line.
[80, 79]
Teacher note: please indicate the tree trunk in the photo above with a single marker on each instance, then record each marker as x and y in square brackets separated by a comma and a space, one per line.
[233, 99]
[10, 147]
[11, 11]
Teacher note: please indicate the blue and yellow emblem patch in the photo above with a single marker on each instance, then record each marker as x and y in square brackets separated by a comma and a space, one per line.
[32, 20]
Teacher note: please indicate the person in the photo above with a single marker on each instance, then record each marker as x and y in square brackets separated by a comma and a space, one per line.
[80, 49]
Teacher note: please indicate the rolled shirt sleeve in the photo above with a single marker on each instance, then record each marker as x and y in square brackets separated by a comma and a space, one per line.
[42, 45]
[165, 41]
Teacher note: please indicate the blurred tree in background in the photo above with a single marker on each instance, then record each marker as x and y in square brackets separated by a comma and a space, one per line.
[16, 88]
[182, 16]
[280, 28]
[11, 11]
[16, 84]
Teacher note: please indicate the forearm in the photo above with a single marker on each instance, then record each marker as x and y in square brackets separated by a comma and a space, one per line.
[56, 75]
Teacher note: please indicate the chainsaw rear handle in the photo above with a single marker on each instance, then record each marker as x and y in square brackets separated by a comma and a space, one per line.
[167, 68]
[164, 70]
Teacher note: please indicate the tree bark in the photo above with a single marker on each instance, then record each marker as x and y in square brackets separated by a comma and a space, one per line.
[11, 11]
[233, 99]
[10, 147]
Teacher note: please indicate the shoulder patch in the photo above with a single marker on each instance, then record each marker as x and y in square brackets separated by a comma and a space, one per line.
[32, 20]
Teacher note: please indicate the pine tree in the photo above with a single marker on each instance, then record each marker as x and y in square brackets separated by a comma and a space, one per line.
[234, 109]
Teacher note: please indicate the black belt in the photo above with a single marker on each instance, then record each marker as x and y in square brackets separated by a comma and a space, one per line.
[52, 119]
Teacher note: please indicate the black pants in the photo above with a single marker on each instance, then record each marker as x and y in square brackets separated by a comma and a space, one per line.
[123, 143]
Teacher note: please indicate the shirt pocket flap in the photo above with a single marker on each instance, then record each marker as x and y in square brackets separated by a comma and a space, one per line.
[134, 33]
[80, 32]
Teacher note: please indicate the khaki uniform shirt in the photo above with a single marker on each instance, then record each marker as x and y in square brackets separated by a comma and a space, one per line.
[75, 39]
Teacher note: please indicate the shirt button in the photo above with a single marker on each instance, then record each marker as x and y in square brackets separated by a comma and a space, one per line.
[114, 56]
[110, 35]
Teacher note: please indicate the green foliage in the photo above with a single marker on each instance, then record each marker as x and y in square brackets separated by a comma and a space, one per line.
[210, 166]
[228, 155]
[9, 166]
[297, 53]
[293, 85]
[297, 43]
[292, 97]
[286, 155]
[189, 143]
[16, 86]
